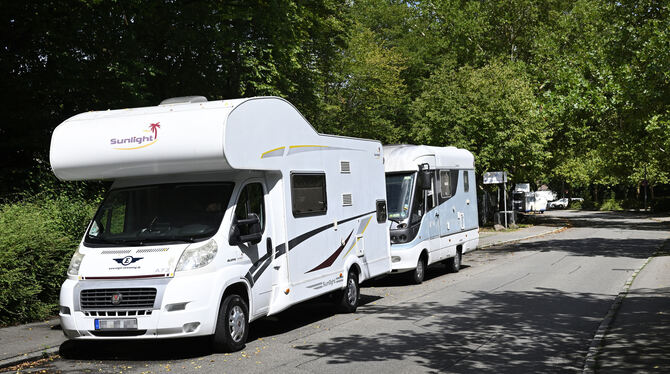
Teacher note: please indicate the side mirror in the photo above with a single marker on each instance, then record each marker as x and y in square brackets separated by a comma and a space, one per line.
[246, 230]
[424, 180]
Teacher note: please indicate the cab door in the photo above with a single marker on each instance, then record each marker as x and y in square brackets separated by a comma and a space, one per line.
[433, 217]
[251, 200]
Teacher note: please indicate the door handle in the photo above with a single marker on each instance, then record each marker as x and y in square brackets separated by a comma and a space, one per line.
[437, 214]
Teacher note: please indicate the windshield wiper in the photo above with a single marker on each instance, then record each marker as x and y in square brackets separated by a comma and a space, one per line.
[189, 239]
[106, 241]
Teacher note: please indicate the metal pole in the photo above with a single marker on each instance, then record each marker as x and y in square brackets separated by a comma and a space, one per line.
[505, 197]
[646, 183]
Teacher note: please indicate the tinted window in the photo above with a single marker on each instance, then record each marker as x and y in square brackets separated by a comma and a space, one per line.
[430, 195]
[445, 184]
[466, 181]
[418, 206]
[160, 213]
[448, 184]
[308, 194]
[381, 211]
[250, 202]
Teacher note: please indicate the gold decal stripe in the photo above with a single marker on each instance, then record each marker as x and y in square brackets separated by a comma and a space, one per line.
[270, 151]
[357, 239]
[142, 146]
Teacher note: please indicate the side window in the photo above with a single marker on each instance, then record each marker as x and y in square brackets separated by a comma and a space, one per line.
[430, 194]
[454, 181]
[250, 201]
[445, 184]
[381, 211]
[418, 208]
[466, 181]
[308, 194]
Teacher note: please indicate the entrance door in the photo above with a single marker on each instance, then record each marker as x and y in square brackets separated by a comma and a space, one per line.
[251, 200]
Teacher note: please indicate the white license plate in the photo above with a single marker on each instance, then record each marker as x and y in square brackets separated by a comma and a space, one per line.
[116, 324]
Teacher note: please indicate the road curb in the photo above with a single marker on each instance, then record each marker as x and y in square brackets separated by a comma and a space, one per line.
[524, 238]
[606, 323]
[27, 357]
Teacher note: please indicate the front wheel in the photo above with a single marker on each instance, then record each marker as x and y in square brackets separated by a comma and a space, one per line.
[232, 325]
[420, 271]
[347, 299]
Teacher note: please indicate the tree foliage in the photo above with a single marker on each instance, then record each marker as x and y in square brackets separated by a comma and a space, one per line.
[584, 84]
[491, 111]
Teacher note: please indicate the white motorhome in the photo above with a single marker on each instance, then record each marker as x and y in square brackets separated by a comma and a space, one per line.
[220, 213]
[432, 203]
[524, 200]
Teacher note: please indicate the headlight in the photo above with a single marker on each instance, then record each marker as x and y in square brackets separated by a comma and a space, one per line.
[198, 257]
[75, 262]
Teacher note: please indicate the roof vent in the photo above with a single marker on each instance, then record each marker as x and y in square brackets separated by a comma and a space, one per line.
[184, 100]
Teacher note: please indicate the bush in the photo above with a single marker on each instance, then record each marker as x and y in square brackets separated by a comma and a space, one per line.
[37, 238]
[611, 204]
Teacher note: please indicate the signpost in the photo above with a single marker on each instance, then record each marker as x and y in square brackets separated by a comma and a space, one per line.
[498, 177]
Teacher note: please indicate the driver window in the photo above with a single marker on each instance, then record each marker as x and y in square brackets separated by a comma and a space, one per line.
[251, 201]
[430, 194]
[417, 206]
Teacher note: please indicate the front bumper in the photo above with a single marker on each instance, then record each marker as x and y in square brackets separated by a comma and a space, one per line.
[404, 258]
[193, 301]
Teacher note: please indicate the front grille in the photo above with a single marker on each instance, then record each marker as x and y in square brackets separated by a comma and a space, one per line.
[130, 298]
[117, 313]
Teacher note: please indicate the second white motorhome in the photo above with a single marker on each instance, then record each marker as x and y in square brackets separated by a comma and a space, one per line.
[220, 213]
[432, 203]
[524, 200]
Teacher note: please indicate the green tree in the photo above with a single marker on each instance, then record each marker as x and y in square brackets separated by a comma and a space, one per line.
[366, 101]
[491, 111]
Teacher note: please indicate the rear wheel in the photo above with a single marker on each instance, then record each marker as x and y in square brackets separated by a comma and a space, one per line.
[420, 271]
[454, 263]
[232, 325]
[347, 299]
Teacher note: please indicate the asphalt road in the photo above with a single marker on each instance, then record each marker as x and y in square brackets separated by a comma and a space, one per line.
[532, 306]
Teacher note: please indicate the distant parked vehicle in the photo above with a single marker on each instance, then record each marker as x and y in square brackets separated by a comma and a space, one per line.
[524, 200]
[560, 203]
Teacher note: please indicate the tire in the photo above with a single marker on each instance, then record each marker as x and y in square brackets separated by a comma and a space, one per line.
[419, 272]
[454, 263]
[346, 299]
[232, 325]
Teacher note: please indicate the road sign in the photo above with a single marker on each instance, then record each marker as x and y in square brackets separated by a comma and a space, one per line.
[495, 177]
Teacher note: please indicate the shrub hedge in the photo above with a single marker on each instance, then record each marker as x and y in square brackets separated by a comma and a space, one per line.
[38, 236]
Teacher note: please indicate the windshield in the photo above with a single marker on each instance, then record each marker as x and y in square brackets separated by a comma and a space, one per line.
[399, 195]
[160, 213]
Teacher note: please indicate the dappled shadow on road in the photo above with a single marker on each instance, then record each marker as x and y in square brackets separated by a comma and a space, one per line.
[589, 247]
[405, 279]
[300, 315]
[613, 220]
[638, 340]
[606, 234]
[545, 330]
[174, 349]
